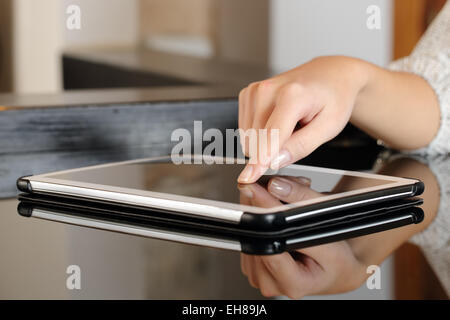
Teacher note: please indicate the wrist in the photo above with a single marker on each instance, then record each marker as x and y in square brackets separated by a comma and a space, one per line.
[366, 74]
[362, 72]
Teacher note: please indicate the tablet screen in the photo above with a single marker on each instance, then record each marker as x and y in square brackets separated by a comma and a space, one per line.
[219, 181]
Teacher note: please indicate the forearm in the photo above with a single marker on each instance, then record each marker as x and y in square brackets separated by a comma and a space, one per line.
[401, 109]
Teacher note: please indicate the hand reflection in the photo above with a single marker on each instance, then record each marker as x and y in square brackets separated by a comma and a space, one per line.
[326, 269]
[302, 272]
[336, 267]
[279, 188]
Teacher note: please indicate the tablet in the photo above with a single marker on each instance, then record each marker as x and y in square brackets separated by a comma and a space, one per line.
[148, 217]
[207, 189]
[262, 243]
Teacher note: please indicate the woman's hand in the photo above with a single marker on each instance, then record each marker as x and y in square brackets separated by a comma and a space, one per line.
[319, 96]
[311, 104]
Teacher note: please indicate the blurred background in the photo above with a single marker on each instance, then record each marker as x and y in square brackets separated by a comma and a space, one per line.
[272, 34]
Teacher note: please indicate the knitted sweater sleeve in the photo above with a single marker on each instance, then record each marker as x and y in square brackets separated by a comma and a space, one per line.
[431, 60]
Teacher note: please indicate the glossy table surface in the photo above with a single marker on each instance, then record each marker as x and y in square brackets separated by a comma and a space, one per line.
[35, 255]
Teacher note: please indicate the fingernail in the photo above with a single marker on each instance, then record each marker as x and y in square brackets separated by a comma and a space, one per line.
[280, 187]
[246, 191]
[283, 158]
[246, 174]
[304, 180]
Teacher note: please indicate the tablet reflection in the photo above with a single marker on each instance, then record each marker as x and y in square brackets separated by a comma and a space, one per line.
[342, 266]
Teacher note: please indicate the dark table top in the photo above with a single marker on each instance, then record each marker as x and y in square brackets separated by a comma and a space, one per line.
[36, 253]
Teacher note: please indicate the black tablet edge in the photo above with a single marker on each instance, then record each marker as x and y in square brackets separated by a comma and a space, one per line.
[276, 221]
[50, 202]
[26, 207]
[280, 219]
[24, 185]
[275, 244]
[416, 216]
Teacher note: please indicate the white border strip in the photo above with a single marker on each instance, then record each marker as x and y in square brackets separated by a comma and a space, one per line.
[145, 232]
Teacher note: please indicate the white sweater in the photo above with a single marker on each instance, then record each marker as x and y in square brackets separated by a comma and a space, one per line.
[431, 60]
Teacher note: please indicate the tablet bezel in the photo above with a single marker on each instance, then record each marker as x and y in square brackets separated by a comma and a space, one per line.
[213, 209]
